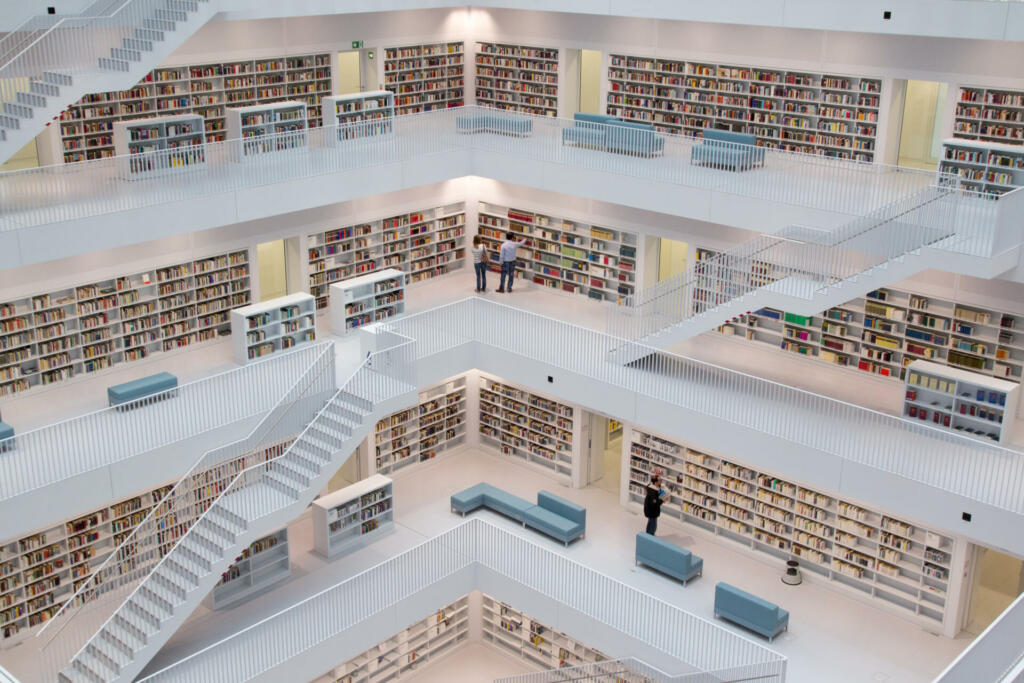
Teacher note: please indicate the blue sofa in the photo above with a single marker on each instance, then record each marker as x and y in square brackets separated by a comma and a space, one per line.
[494, 122]
[142, 391]
[6, 432]
[750, 611]
[667, 558]
[726, 149]
[559, 518]
[611, 134]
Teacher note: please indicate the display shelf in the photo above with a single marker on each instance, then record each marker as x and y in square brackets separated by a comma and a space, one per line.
[55, 336]
[962, 401]
[267, 129]
[160, 145]
[517, 78]
[367, 299]
[354, 516]
[989, 115]
[425, 77]
[280, 324]
[404, 653]
[423, 244]
[983, 166]
[85, 129]
[801, 111]
[861, 548]
[436, 425]
[261, 565]
[511, 630]
[566, 255]
[532, 428]
[374, 110]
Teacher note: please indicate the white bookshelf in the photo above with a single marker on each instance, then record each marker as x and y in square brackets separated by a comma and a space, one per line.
[367, 299]
[374, 111]
[280, 324]
[510, 630]
[435, 426]
[55, 336]
[412, 648]
[869, 553]
[962, 401]
[563, 254]
[425, 77]
[264, 563]
[989, 115]
[517, 77]
[802, 111]
[982, 166]
[267, 129]
[353, 516]
[424, 244]
[529, 427]
[160, 145]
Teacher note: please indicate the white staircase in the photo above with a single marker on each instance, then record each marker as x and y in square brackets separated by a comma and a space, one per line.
[258, 500]
[49, 63]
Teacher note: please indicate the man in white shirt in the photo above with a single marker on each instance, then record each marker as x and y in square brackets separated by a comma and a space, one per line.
[507, 257]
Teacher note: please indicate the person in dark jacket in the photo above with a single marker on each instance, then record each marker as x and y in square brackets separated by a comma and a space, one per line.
[653, 501]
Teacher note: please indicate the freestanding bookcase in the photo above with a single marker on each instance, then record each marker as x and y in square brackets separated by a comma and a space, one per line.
[962, 401]
[983, 166]
[372, 113]
[353, 516]
[267, 129]
[279, 324]
[367, 299]
[151, 147]
[261, 565]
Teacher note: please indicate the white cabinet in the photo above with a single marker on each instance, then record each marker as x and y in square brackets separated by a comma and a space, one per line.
[261, 565]
[271, 326]
[353, 516]
[367, 299]
[360, 115]
[267, 129]
[157, 146]
[982, 166]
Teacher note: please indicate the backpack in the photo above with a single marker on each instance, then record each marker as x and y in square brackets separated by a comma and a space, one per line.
[652, 503]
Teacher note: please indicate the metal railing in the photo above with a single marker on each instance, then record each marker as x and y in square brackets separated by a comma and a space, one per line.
[701, 644]
[66, 449]
[633, 670]
[993, 654]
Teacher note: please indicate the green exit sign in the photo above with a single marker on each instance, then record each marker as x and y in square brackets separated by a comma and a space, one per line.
[356, 44]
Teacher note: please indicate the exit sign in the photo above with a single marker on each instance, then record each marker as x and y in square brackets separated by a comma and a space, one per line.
[356, 44]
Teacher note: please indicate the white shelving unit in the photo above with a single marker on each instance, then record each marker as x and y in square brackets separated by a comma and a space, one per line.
[425, 77]
[990, 115]
[518, 78]
[367, 299]
[984, 166]
[267, 129]
[276, 325]
[410, 649]
[961, 401]
[375, 110]
[261, 565]
[353, 516]
[513, 631]
[869, 553]
[161, 145]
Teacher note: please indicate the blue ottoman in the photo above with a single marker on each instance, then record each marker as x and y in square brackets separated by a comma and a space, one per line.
[142, 391]
[6, 437]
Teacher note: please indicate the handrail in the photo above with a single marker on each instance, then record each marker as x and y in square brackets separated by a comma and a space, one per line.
[994, 653]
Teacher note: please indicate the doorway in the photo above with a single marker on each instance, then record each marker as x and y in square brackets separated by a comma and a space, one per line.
[350, 72]
[672, 256]
[997, 580]
[272, 269]
[590, 81]
[921, 131]
[604, 461]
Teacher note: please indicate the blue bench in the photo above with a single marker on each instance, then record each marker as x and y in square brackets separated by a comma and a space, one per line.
[6, 432]
[492, 122]
[667, 558]
[612, 134]
[142, 391]
[750, 611]
[726, 149]
[559, 518]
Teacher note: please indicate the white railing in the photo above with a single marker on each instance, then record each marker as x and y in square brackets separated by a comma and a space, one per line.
[66, 449]
[274, 641]
[993, 654]
[632, 670]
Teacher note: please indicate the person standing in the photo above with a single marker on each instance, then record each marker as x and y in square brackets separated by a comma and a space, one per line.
[653, 500]
[507, 256]
[480, 262]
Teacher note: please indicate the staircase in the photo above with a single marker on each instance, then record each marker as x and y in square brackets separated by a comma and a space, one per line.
[49, 63]
[258, 500]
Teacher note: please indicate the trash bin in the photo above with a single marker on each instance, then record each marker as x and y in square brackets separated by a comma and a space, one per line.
[792, 576]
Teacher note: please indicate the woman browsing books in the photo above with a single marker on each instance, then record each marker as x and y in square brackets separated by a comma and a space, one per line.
[480, 263]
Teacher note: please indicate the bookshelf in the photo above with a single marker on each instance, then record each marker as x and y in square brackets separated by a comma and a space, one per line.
[593, 261]
[54, 336]
[85, 129]
[249, 128]
[529, 427]
[436, 425]
[280, 324]
[982, 166]
[801, 111]
[425, 77]
[164, 144]
[46, 566]
[961, 401]
[989, 115]
[367, 299]
[867, 552]
[354, 516]
[362, 107]
[261, 565]
[511, 630]
[518, 78]
[403, 654]
[424, 244]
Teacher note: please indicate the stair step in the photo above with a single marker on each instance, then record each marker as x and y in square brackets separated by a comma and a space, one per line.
[290, 473]
[170, 15]
[43, 88]
[179, 584]
[152, 612]
[114, 64]
[31, 99]
[70, 675]
[183, 5]
[307, 467]
[356, 404]
[107, 653]
[149, 34]
[199, 556]
[157, 596]
[126, 54]
[158, 25]
[20, 110]
[140, 44]
[90, 665]
[132, 625]
[337, 425]
[218, 531]
[344, 415]
[326, 445]
[55, 78]
[184, 567]
[280, 483]
[207, 546]
[228, 519]
[122, 638]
